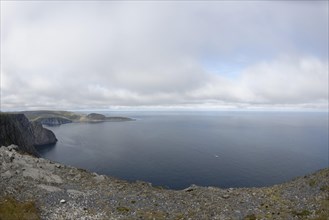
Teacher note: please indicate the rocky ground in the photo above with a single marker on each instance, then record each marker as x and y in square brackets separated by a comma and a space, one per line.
[63, 192]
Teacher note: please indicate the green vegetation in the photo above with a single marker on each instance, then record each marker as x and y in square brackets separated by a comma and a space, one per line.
[312, 183]
[179, 216]
[302, 213]
[51, 117]
[160, 187]
[250, 217]
[152, 214]
[12, 209]
[34, 115]
[323, 213]
[324, 188]
[123, 209]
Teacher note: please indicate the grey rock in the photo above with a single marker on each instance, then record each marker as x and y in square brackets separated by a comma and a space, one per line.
[16, 129]
[75, 192]
[40, 174]
[191, 188]
[42, 136]
[12, 147]
[7, 174]
[99, 178]
[49, 188]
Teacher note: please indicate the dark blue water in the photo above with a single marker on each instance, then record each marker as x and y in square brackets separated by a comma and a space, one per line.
[177, 149]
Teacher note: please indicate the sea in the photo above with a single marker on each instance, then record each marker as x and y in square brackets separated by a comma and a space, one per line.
[177, 149]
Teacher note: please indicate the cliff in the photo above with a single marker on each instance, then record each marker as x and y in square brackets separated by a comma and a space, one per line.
[41, 189]
[42, 136]
[16, 129]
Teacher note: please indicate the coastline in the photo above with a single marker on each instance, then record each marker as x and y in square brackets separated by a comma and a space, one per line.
[92, 196]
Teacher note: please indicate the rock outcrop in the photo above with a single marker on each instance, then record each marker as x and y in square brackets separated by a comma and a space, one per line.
[42, 136]
[16, 129]
[63, 192]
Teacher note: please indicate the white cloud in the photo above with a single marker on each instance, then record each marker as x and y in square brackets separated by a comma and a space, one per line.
[288, 80]
[282, 81]
[102, 54]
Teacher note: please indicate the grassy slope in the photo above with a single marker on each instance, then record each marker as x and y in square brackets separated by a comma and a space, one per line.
[35, 115]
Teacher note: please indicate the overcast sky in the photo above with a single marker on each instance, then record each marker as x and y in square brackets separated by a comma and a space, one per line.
[165, 54]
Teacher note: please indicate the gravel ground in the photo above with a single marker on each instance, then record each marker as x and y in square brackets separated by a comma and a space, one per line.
[63, 192]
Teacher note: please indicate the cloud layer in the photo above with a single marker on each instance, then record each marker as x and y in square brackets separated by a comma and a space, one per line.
[78, 55]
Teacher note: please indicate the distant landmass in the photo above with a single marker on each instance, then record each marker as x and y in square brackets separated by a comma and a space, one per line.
[53, 118]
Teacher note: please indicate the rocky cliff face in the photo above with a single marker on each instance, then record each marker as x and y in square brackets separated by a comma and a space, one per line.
[42, 135]
[16, 129]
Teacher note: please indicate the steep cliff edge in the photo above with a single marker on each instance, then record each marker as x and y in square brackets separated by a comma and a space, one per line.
[16, 129]
[42, 135]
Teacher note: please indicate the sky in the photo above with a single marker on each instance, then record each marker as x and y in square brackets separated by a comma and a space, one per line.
[121, 55]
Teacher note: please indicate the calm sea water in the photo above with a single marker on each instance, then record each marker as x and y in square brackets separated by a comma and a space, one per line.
[177, 149]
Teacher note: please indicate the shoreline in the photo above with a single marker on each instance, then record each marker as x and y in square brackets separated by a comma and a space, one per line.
[92, 196]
